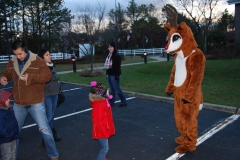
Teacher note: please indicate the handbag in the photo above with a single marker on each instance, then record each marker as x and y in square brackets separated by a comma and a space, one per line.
[61, 97]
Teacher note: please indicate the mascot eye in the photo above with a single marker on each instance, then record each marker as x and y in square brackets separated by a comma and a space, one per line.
[175, 38]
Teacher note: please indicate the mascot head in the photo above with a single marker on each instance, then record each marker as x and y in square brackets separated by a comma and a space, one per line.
[180, 36]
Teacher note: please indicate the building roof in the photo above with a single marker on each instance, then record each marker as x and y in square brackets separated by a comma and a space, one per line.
[233, 1]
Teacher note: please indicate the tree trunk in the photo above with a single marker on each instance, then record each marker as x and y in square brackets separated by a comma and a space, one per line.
[91, 58]
[237, 29]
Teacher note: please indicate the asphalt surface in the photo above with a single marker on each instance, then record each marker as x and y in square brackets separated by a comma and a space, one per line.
[145, 130]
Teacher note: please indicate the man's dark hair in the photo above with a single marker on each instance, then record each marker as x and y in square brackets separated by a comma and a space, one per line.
[19, 44]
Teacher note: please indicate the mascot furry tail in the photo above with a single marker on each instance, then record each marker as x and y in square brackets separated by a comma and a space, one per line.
[185, 80]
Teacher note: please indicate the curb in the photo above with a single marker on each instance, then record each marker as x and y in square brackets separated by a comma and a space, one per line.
[222, 108]
[238, 111]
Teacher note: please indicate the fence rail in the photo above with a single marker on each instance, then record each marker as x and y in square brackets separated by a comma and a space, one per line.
[134, 52]
[54, 56]
[141, 51]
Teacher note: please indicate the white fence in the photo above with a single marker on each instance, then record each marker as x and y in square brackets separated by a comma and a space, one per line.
[56, 56]
[141, 51]
[5, 58]
[53, 55]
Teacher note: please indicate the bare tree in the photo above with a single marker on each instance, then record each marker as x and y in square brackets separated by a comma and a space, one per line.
[89, 20]
[201, 12]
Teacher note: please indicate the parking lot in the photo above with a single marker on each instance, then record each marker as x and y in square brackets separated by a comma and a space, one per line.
[145, 130]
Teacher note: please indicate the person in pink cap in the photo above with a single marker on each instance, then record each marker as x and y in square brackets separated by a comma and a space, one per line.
[102, 120]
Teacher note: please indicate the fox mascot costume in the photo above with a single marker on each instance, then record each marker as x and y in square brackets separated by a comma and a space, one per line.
[185, 80]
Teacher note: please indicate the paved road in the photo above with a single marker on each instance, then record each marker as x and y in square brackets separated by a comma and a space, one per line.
[145, 130]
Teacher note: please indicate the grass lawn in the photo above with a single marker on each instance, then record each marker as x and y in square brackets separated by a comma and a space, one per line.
[221, 83]
[67, 67]
[128, 59]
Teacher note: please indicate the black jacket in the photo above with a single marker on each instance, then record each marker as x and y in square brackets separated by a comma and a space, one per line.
[116, 66]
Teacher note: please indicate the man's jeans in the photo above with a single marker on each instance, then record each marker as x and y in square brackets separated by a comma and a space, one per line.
[50, 105]
[104, 148]
[38, 113]
[8, 150]
[115, 87]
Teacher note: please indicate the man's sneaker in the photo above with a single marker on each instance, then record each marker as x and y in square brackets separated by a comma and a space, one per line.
[122, 105]
[43, 144]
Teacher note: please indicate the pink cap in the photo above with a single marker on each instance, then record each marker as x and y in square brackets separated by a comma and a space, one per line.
[93, 83]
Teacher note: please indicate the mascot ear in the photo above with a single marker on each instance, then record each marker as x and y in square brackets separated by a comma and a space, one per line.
[186, 31]
[182, 26]
[167, 27]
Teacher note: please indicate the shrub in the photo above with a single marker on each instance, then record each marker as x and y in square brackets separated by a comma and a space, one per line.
[94, 73]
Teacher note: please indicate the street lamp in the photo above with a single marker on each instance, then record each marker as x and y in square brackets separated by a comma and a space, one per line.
[74, 63]
[145, 57]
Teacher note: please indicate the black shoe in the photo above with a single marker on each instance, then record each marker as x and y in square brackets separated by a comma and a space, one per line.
[122, 105]
[56, 139]
[43, 144]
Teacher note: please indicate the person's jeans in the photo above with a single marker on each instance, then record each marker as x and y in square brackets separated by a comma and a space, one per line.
[115, 87]
[38, 113]
[8, 150]
[51, 105]
[104, 148]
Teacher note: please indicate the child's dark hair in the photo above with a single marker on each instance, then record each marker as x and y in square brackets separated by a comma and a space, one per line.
[98, 88]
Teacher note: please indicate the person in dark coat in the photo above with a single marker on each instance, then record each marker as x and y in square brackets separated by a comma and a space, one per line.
[51, 91]
[113, 72]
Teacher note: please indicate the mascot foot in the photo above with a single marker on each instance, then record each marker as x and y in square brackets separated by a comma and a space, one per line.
[184, 149]
[179, 140]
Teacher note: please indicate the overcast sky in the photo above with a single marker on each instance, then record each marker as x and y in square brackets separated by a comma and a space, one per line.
[110, 4]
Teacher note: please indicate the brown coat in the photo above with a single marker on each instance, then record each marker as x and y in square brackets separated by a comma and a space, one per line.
[31, 91]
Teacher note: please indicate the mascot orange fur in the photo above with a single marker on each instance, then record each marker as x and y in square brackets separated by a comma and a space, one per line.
[185, 80]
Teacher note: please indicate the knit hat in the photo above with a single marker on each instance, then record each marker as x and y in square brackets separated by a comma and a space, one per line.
[98, 88]
[4, 96]
[111, 44]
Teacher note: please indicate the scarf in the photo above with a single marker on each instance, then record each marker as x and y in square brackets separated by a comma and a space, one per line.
[50, 64]
[108, 61]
